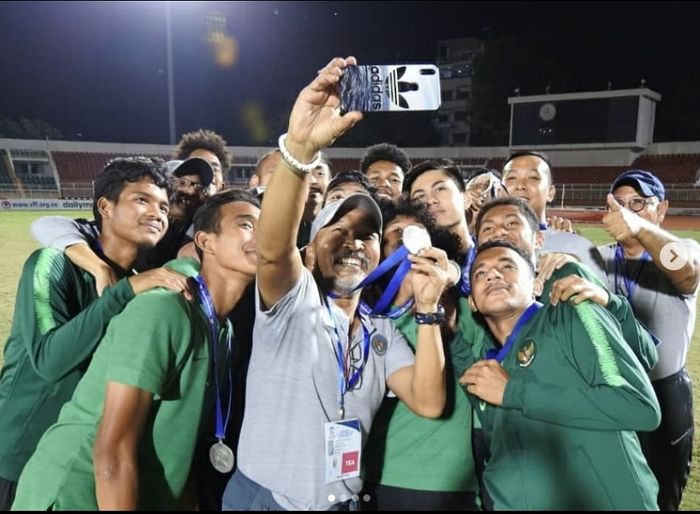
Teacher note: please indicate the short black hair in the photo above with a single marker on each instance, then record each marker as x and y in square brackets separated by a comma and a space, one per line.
[440, 237]
[503, 244]
[385, 152]
[353, 176]
[532, 153]
[203, 139]
[444, 165]
[522, 206]
[117, 172]
[208, 216]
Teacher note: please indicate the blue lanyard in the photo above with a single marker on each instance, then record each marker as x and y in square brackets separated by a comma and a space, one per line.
[208, 307]
[544, 226]
[345, 382]
[620, 271]
[630, 284]
[500, 354]
[465, 285]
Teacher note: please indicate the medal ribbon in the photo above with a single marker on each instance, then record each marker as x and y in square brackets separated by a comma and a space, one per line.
[210, 312]
[500, 354]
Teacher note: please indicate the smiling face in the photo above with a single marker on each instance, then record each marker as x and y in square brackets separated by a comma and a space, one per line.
[140, 214]
[528, 177]
[387, 177]
[347, 250]
[507, 223]
[502, 282]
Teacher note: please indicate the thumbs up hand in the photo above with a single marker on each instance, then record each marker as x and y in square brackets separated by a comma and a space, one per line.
[620, 222]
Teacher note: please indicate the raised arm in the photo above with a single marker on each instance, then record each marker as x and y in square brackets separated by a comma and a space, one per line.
[314, 124]
[621, 223]
[73, 237]
[422, 386]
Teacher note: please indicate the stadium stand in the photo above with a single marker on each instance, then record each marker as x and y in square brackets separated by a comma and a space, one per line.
[582, 176]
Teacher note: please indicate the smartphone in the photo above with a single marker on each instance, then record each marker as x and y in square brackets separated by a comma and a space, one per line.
[402, 87]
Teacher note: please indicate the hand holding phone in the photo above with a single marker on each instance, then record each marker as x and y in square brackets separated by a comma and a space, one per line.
[406, 87]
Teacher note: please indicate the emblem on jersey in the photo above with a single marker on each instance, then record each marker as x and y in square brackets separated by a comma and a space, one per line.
[379, 344]
[526, 354]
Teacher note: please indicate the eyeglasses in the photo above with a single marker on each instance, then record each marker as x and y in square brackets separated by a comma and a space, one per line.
[635, 204]
[180, 182]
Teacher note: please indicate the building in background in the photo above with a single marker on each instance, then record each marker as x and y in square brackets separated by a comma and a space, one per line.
[455, 58]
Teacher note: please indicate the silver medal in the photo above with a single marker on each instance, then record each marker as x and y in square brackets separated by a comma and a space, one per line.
[221, 457]
[415, 238]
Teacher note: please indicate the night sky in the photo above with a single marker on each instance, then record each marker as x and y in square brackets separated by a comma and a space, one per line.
[97, 70]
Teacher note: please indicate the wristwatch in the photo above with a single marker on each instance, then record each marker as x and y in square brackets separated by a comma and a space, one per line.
[431, 318]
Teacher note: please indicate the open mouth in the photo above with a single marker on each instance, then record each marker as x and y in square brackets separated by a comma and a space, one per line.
[153, 226]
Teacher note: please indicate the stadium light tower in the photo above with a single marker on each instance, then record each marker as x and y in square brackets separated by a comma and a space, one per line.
[171, 88]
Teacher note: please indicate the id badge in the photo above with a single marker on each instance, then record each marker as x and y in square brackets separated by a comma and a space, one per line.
[343, 449]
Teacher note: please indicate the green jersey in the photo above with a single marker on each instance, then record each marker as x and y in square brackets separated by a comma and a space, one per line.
[408, 451]
[564, 436]
[158, 344]
[58, 323]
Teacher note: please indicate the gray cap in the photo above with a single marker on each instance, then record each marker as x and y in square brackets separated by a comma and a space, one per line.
[191, 166]
[334, 211]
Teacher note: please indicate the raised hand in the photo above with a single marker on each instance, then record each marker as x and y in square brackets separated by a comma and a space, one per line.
[315, 121]
[429, 276]
[577, 289]
[620, 222]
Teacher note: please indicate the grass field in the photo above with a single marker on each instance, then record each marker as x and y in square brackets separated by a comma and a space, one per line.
[14, 226]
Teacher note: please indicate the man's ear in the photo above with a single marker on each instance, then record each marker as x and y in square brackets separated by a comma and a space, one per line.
[551, 192]
[472, 305]
[105, 207]
[205, 242]
[661, 210]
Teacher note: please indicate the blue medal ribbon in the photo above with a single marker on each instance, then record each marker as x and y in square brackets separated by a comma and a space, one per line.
[345, 382]
[210, 312]
[544, 226]
[500, 354]
[629, 282]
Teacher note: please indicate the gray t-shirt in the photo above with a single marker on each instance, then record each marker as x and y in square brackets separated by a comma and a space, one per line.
[576, 245]
[659, 306]
[292, 390]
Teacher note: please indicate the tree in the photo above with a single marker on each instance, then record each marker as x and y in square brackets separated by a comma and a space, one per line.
[28, 129]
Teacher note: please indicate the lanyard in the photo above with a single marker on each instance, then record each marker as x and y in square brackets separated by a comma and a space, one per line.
[630, 284]
[544, 226]
[500, 354]
[620, 271]
[345, 382]
[208, 307]
[465, 285]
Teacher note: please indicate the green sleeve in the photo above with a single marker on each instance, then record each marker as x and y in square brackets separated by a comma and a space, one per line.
[617, 394]
[636, 336]
[59, 331]
[148, 340]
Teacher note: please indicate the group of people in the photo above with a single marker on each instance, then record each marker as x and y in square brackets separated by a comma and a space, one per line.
[391, 338]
